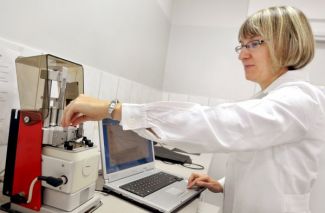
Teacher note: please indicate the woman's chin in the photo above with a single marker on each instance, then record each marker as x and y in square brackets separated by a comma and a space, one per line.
[249, 77]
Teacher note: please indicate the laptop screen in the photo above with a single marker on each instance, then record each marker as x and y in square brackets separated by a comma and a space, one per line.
[124, 149]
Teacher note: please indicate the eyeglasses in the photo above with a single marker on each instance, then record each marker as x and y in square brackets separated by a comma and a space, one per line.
[249, 46]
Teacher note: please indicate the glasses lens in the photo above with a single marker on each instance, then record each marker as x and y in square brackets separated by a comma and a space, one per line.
[253, 44]
[250, 45]
[237, 49]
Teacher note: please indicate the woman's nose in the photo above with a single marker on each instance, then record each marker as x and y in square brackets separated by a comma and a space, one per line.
[243, 54]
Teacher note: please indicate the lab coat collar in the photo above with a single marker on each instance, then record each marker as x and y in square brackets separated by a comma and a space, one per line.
[289, 76]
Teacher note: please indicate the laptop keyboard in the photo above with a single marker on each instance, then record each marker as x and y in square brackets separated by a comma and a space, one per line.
[150, 184]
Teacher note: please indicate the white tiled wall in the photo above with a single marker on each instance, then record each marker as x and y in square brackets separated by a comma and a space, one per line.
[177, 97]
[216, 101]
[123, 90]
[92, 78]
[165, 96]
[108, 86]
[199, 99]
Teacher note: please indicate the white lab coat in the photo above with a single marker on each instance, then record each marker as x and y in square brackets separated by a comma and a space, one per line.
[274, 141]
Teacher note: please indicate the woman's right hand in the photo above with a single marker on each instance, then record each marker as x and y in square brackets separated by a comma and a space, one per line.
[84, 108]
[202, 180]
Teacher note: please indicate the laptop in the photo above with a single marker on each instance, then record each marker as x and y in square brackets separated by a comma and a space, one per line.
[128, 165]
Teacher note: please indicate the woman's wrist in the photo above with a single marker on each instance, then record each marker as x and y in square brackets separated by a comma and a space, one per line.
[112, 107]
[117, 113]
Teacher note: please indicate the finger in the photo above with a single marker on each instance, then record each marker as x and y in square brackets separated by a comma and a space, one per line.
[63, 118]
[80, 120]
[193, 183]
[202, 178]
[75, 116]
[69, 113]
[63, 123]
[202, 183]
[211, 186]
[192, 178]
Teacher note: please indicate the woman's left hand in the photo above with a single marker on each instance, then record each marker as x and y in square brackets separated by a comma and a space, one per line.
[202, 180]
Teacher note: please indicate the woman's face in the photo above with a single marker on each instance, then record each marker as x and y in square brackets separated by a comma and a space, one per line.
[257, 62]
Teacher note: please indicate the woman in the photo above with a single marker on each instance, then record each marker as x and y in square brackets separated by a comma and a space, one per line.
[274, 139]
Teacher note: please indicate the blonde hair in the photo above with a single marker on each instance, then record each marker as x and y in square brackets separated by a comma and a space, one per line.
[287, 33]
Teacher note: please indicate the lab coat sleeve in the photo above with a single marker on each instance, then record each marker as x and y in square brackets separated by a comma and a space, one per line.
[222, 182]
[281, 117]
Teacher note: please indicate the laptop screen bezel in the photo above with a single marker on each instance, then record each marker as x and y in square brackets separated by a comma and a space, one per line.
[116, 175]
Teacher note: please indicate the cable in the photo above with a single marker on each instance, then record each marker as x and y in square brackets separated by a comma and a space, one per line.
[193, 166]
[31, 188]
[49, 180]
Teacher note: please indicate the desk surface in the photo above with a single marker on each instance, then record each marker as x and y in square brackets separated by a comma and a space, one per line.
[114, 204]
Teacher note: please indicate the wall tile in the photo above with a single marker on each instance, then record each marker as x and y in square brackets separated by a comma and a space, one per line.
[146, 94]
[124, 89]
[135, 93]
[199, 100]
[178, 97]
[216, 101]
[165, 96]
[92, 78]
[108, 86]
[154, 95]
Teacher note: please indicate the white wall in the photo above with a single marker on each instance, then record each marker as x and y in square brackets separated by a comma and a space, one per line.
[124, 37]
[312, 8]
[167, 7]
[201, 59]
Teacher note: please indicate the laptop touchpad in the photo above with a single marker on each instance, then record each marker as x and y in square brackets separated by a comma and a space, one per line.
[174, 191]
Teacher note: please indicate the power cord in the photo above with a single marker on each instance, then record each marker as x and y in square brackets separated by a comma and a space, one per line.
[31, 188]
[20, 198]
[193, 166]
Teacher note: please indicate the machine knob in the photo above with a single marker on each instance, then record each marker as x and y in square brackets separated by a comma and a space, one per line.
[68, 145]
[88, 142]
[26, 119]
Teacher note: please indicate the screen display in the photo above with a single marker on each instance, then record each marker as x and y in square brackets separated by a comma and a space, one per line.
[124, 149]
